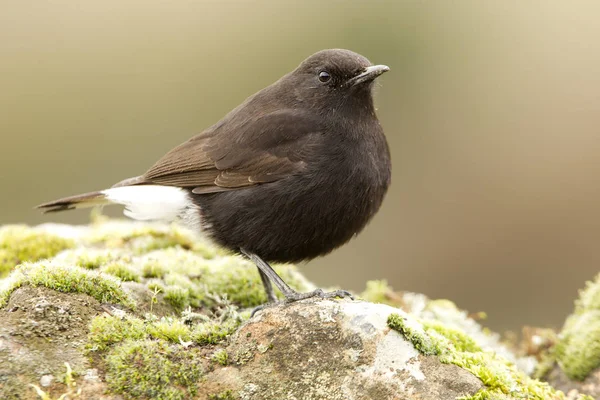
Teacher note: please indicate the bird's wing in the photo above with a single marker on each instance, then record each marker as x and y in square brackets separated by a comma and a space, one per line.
[234, 155]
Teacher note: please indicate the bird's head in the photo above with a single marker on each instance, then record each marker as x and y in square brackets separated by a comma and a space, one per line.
[334, 77]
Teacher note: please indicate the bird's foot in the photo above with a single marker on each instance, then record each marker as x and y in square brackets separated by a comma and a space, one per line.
[293, 297]
[260, 308]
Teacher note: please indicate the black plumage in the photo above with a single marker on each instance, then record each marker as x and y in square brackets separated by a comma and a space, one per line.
[295, 171]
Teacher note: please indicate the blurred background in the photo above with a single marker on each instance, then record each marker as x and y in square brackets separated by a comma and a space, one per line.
[491, 109]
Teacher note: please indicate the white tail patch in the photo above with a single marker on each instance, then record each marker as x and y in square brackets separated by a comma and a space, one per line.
[152, 202]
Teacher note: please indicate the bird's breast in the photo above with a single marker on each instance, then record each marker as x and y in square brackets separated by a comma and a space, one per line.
[308, 214]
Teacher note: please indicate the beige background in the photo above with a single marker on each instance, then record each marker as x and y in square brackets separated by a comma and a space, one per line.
[492, 111]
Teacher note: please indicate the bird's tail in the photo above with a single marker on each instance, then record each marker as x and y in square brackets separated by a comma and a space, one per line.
[79, 201]
[143, 202]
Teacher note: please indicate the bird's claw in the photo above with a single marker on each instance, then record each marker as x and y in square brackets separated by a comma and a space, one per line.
[294, 297]
[318, 293]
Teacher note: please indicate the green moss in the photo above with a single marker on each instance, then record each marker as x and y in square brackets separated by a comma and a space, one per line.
[193, 280]
[544, 365]
[169, 329]
[177, 297]
[221, 357]
[452, 346]
[179, 280]
[441, 304]
[153, 269]
[88, 258]
[102, 287]
[377, 292]
[578, 351]
[486, 395]
[155, 285]
[177, 260]
[140, 238]
[239, 280]
[122, 271]
[207, 250]
[185, 278]
[141, 363]
[153, 369]
[414, 334]
[90, 261]
[108, 330]
[187, 270]
[578, 348]
[20, 244]
[213, 332]
[7, 262]
[225, 395]
[460, 340]
[144, 244]
[589, 298]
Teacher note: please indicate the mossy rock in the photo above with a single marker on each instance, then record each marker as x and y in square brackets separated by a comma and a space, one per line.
[452, 346]
[154, 369]
[578, 349]
[152, 311]
[149, 286]
[573, 363]
[19, 243]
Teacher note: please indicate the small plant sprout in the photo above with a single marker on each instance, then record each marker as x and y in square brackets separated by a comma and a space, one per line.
[71, 387]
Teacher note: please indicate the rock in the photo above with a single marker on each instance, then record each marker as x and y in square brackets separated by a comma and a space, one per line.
[46, 380]
[40, 330]
[91, 375]
[329, 350]
[120, 310]
[590, 385]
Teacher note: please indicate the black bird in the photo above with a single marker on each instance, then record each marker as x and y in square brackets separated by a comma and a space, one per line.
[292, 173]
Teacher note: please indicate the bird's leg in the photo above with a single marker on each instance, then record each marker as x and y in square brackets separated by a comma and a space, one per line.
[271, 297]
[268, 274]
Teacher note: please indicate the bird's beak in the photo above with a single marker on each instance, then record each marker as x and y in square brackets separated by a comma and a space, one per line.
[368, 74]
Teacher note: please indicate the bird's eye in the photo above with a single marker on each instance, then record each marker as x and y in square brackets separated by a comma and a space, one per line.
[324, 76]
